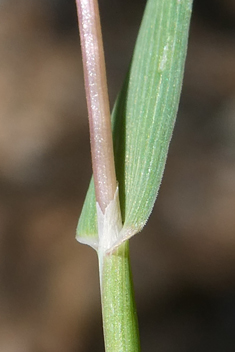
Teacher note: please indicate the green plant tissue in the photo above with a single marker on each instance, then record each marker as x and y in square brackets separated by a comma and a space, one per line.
[144, 116]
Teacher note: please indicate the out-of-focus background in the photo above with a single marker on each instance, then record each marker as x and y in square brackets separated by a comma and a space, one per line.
[184, 260]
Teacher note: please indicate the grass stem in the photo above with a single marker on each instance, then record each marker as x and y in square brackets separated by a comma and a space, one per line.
[97, 101]
[118, 306]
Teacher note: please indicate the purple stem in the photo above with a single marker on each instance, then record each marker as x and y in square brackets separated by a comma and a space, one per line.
[97, 101]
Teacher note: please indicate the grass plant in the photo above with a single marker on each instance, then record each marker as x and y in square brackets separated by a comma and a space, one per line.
[129, 150]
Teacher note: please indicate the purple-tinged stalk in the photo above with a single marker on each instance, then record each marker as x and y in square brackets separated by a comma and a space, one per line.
[97, 102]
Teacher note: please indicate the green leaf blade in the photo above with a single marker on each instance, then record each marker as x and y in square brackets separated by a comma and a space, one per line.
[144, 114]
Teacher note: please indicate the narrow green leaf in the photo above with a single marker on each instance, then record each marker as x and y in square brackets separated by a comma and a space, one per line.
[144, 115]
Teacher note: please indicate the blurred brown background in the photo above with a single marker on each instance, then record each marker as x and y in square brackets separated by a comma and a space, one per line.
[184, 260]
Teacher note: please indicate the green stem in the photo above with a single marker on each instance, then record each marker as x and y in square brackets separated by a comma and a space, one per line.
[118, 307]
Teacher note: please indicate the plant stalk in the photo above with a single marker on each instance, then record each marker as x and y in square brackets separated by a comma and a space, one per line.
[97, 101]
[118, 306]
